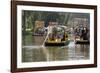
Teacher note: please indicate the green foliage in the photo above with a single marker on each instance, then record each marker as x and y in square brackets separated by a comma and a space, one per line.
[29, 18]
[54, 31]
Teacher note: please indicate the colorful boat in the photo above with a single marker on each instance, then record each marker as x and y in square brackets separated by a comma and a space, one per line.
[58, 37]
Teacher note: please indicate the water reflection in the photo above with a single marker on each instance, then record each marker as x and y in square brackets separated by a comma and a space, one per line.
[32, 51]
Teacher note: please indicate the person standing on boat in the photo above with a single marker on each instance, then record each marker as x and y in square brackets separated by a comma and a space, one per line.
[84, 33]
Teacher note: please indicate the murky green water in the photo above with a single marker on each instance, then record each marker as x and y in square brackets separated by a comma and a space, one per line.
[33, 51]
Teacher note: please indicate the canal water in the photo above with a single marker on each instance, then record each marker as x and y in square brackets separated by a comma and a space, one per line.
[33, 51]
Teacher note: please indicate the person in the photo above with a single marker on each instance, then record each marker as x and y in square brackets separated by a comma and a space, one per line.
[84, 33]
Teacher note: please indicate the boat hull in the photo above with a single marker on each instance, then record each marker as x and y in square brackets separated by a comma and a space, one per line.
[57, 43]
[82, 42]
[54, 44]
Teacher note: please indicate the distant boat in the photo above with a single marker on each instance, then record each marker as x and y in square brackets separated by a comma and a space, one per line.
[83, 38]
[39, 32]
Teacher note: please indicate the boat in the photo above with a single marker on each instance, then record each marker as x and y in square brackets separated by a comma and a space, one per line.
[81, 41]
[58, 37]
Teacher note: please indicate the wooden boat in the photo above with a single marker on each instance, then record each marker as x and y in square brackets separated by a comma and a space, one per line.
[57, 42]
